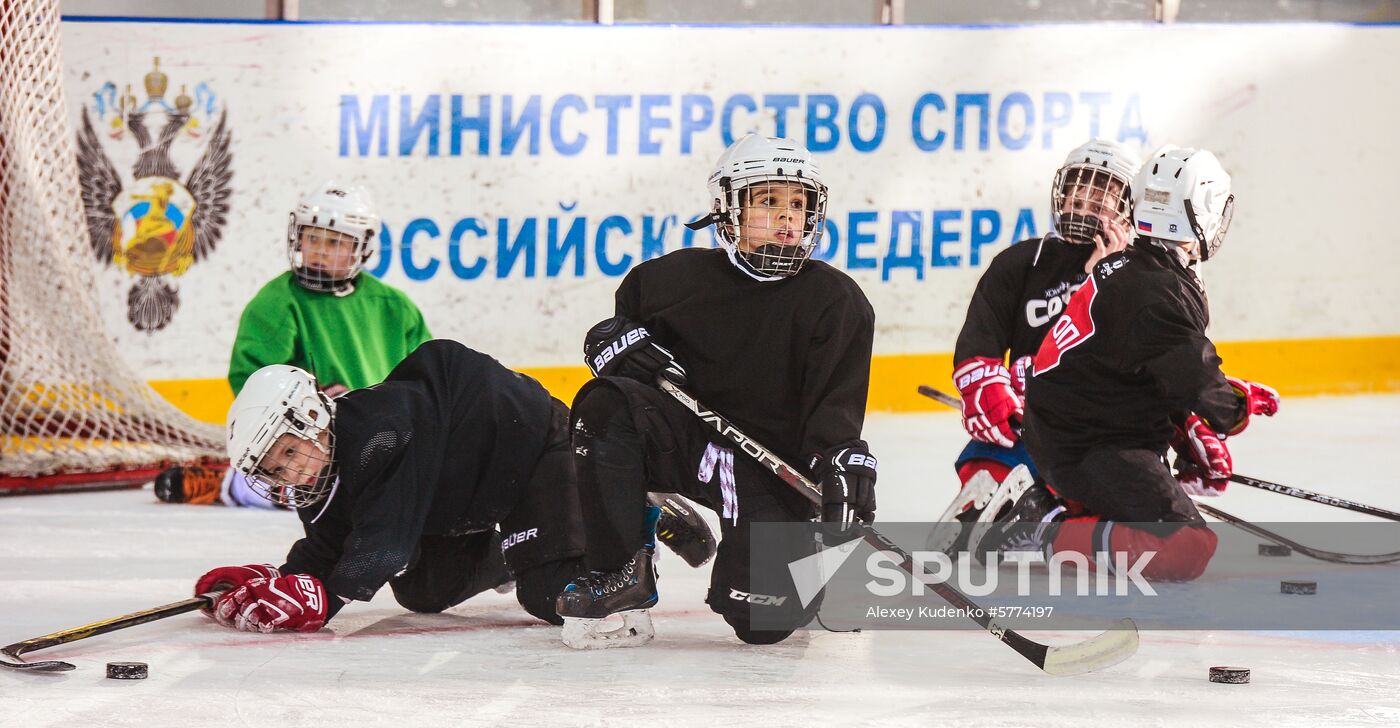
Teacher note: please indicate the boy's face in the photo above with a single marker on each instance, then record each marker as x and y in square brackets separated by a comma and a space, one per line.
[328, 252]
[293, 462]
[773, 213]
[1094, 193]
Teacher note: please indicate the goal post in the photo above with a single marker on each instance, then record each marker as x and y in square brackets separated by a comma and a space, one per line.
[72, 412]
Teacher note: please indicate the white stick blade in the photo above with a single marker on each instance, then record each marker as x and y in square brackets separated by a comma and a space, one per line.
[1105, 650]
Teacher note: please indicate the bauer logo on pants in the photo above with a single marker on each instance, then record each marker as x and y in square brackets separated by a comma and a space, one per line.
[519, 537]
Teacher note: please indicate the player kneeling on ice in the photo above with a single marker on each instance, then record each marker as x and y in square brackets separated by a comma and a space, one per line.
[1025, 289]
[405, 483]
[777, 343]
[1126, 371]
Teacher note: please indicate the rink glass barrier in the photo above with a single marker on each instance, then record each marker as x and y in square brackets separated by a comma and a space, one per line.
[851, 584]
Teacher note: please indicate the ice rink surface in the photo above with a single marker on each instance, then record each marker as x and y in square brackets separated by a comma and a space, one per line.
[66, 560]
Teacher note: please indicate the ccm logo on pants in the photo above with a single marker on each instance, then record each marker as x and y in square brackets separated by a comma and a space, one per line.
[762, 600]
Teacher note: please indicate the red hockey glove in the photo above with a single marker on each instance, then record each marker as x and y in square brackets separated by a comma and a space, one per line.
[1259, 399]
[1194, 482]
[295, 603]
[1019, 371]
[1208, 465]
[991, 408]
[231, 577]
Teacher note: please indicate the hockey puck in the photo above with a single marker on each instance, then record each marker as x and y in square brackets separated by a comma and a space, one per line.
[1231, 675]
[1297, 587]
[126, 670]
[1273, 549]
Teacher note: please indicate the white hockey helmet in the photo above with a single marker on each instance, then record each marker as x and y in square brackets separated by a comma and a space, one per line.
[746, 166]
[1183, 195]
[279, 400]
[1092, 189]
[344, 209]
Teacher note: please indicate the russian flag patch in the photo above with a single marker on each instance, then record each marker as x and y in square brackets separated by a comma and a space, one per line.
[1144, 225]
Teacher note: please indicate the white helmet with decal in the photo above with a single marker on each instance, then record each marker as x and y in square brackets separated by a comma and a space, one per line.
[348, 213]
[1183, 195]
[748, 168]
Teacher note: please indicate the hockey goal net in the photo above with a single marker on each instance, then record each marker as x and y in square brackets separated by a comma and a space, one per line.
[72, 413]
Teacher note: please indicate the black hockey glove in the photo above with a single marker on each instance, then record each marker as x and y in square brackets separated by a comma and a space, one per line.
[618, 347]
[847, 476]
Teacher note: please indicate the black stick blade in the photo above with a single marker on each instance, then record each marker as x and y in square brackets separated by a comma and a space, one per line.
[46, 666]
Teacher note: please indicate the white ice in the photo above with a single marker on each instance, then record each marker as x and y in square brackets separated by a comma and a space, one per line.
[70, 559]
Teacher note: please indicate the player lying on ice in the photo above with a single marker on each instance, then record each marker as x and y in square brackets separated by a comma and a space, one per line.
[325, 315]
[778, 343]
[1022, 292]
[405, 483]
[1126, 372]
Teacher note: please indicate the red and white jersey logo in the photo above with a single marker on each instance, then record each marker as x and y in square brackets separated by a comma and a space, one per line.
[1071, 329]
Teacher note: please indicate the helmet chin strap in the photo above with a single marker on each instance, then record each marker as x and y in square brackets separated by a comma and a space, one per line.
[748, 270]
[1178, 250]
[338, 288]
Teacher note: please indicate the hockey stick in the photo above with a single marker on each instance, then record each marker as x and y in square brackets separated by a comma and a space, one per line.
[1314, 497]
[1100, 651]
[1319, 554]
[954, 402]
[943, 397]
[94, 629]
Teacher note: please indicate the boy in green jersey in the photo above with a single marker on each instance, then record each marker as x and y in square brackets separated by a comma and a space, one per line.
[325, 316]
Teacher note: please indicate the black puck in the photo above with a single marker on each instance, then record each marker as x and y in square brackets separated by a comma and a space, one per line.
[1273, 549]
[126, 670]
[1231, 675]
[1297, 587]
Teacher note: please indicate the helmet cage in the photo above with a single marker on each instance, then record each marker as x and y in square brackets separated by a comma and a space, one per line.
[321, 280]
[1097, 196]
[1208, 248]
[771, 261]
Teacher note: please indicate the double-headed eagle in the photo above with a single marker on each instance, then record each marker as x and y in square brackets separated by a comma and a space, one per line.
[159, 227]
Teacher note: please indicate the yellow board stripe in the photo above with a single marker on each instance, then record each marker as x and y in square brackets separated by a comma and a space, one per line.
[1296, 367]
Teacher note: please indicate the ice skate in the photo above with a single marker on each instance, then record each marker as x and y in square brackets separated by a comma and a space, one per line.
[588, 601]
[979, 503]
[1029, 525]
[683, 530]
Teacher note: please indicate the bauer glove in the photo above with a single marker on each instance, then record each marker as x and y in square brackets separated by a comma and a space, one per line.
[847, 476]
[1259, 399]
[618, 347]
[992, 408]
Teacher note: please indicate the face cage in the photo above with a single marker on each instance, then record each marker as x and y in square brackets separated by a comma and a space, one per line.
[288, 490]
[1082, 225]
[318, 280]
[776, 261]
[1208, 249]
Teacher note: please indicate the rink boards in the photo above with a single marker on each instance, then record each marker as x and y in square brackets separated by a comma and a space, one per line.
[521, 171]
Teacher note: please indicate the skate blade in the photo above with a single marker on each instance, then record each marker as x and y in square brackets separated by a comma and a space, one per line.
[974, 494]
[583, 634]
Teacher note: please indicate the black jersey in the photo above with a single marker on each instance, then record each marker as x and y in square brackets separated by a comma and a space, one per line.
[1129, 353]
[1024, 289]
[788, 360]
[443, 446]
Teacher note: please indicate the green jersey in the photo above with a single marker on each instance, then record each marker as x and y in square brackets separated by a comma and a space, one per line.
[352, 340]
